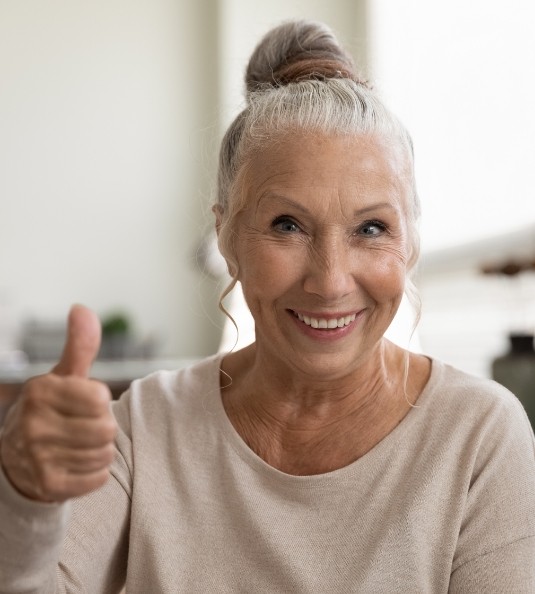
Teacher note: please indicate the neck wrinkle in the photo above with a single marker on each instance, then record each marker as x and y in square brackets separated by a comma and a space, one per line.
[292, 403]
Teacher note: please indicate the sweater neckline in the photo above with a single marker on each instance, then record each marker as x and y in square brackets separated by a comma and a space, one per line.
[390, 442]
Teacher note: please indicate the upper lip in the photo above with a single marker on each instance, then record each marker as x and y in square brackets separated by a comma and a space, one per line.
[326, 315]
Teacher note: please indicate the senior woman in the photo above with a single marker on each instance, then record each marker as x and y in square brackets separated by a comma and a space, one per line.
[322, 458]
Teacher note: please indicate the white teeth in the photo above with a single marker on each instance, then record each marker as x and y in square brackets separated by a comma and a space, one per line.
[324, 324]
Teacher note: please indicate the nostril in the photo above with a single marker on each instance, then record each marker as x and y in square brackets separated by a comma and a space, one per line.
[332, 284]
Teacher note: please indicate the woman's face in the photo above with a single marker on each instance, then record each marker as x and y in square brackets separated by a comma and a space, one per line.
[322, 248]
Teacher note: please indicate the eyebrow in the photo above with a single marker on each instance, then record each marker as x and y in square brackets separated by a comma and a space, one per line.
[283, 199]
[303, 209]
[376, 206]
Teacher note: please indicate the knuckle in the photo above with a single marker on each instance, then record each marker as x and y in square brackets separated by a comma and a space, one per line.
[35, 387]
[100, 399]
[41, 459]
[35, 384]
[39, 455]
[109, 454]
[32, 394]
[48, 482]
[92, 408]
[108, 430]
[39, 394]
[31, 428]
[102, 393]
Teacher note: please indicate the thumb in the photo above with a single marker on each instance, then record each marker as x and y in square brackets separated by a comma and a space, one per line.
[82, 342]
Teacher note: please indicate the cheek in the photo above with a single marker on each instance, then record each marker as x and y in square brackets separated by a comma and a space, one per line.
[267, 269]
[387, 276]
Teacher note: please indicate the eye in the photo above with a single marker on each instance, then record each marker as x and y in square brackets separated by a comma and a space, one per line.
[371, 228]
[285, 224]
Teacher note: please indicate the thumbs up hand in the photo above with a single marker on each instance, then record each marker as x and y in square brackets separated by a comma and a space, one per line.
[58, 436]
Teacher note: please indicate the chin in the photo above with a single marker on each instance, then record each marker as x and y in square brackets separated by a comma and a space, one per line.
[328, 366]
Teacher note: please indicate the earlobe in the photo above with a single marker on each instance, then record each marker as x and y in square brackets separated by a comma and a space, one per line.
[217, 209]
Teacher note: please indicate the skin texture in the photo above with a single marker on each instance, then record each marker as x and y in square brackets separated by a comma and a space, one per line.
[58, 437]
[324, 234]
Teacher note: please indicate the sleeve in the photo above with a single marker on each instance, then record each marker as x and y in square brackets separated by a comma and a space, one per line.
[77, 546]
[496, 546]
[510, 568]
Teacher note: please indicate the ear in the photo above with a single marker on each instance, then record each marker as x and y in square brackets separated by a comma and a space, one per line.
[217, 209]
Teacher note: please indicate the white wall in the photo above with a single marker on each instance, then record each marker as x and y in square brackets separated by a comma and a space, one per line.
[108, 114]
[460, 75]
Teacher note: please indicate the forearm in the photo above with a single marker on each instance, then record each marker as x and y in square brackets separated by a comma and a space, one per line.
[31, 538]
[81, 545]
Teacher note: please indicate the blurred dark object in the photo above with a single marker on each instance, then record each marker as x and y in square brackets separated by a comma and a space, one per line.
[116, 337]
[8, 394]
[42, 340]
[516, 370]
[510, 267]
[115, 324]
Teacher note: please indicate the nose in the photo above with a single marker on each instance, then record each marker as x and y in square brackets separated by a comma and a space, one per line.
[329, 274]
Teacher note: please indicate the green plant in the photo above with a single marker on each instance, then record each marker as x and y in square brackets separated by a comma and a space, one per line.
[114, 324]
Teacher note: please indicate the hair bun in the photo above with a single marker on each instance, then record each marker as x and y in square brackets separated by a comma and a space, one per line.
[297, 51]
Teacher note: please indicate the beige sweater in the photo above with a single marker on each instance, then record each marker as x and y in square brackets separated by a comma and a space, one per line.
[445, 503]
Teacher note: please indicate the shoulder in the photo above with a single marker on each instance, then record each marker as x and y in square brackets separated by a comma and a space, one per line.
[483, 424]
[472, 423]
[165, 394]
[489, 450]
[472, 396]
[164, 384]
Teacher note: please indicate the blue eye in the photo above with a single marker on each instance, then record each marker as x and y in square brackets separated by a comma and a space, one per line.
[372, 228]
[285, 225]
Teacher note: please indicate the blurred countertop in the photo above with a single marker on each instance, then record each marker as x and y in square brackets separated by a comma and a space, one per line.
[111, 371]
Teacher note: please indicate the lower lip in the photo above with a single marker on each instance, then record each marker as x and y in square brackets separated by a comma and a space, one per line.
[327, 334]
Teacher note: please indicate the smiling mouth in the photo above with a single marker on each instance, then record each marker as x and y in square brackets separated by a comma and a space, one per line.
[324, 323]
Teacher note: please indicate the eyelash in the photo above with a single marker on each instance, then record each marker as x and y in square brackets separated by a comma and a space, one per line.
[373, 223]
[289, 220]
[284, 219]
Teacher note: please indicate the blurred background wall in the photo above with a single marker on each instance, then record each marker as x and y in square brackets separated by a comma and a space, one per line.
[108, 114]
[110, 117]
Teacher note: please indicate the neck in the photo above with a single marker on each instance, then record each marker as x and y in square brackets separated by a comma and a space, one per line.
[278, 380]
[306, 425]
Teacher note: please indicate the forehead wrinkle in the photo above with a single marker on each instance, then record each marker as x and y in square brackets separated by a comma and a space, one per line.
[269, 194]
[346, 213]
[264, 193]
[277, 178]
[377, 206]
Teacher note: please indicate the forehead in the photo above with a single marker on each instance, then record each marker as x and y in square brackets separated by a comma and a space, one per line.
[357, 166]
